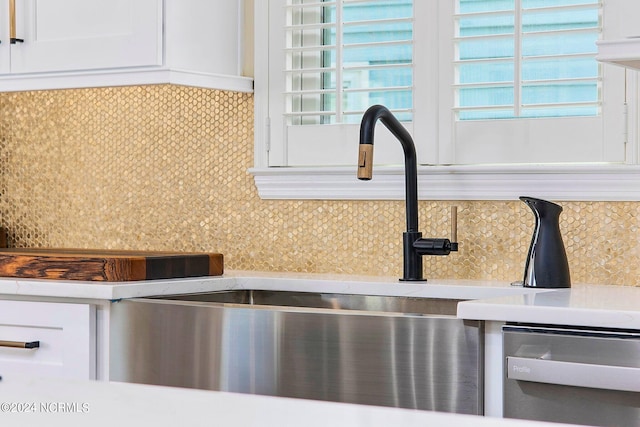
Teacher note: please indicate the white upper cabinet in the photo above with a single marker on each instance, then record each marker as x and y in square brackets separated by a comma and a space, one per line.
[620, 45]
[70, 35]
[88, 43]
[623, 52]
[204, 43]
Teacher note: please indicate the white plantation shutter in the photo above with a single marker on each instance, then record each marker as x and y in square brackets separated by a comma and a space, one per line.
[545, 69]
[527, 88]
[340, 57]
[474, 81]
[343, 55]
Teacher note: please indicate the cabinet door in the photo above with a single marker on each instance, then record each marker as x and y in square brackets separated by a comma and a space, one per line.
[66, 334]
[67, 35]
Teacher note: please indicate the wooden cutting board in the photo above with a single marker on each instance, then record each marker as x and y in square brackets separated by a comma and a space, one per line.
[106, 265]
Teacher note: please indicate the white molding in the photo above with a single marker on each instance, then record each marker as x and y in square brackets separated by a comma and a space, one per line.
[585, 182]
[623, 52]
[211, 81]
[123, 77]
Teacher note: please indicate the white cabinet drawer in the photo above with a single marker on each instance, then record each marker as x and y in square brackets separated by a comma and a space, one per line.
[66, 334]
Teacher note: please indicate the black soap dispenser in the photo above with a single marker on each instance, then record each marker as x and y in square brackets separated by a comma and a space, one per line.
[546, 265]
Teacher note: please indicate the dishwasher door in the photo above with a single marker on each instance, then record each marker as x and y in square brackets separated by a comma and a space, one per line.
[574, 376]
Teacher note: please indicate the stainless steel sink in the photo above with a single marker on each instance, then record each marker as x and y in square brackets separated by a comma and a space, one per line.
[378, 350]
[391, 304]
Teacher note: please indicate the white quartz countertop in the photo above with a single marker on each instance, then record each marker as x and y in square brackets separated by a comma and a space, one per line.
[28, 401]
[371, 285]
[582, 305]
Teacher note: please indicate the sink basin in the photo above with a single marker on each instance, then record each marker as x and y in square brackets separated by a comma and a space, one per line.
[377, 350]
[390, 304]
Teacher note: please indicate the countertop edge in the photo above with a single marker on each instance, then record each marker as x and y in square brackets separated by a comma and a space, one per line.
[596, 306]
[582, 305]
[458, 289]
[107, 403]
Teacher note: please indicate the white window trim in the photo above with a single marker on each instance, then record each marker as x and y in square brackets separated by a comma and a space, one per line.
[566, 183]
[580, 182]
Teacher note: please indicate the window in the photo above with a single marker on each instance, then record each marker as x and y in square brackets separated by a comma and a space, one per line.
[343, 57]
[547, 69]
[335, 59]
[474, 81]
[527, 86]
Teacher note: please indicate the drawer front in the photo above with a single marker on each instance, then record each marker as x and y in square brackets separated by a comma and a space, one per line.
[65, 333]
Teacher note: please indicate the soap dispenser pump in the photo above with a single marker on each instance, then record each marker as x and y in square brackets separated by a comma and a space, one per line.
[546, 265]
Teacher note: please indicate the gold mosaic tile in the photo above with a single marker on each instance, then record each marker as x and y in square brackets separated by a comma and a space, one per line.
[165, 168]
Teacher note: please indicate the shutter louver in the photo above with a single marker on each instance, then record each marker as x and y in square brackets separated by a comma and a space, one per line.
[343, 56]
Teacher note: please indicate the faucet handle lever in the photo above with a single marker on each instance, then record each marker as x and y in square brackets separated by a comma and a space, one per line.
[454, 228]
[365, 162]
[430, 246]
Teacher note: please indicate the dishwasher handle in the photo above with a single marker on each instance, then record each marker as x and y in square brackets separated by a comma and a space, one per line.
[605, 377]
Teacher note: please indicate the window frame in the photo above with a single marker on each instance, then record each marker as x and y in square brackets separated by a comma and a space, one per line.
[587, 182]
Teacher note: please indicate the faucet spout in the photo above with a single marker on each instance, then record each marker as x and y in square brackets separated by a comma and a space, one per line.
[365, 160]
[414, 246]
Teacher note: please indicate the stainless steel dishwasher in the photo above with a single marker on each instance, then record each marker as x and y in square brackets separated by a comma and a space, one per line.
[572, 375]
[387, 351]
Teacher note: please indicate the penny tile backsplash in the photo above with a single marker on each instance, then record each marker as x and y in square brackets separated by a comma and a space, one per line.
[164, 167]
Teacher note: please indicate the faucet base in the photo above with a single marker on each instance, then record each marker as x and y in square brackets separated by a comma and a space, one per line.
[412, 259]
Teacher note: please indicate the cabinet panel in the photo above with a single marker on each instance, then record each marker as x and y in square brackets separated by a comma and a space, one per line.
[67, 35]
[97, 43]
[197, 39]
[66, 334]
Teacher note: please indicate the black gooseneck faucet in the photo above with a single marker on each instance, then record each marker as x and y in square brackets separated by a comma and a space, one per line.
[413, 244]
